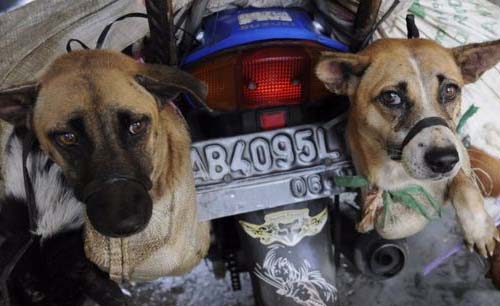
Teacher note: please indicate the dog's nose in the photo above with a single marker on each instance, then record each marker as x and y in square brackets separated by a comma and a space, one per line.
[119, 209]
[442, 160]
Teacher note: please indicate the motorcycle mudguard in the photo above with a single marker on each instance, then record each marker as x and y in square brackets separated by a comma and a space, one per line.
[289, 254]
[237, 27]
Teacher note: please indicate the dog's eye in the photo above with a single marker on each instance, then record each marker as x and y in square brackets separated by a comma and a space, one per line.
[390, 99]
[67, 139]
[450, 92]
[137, 127]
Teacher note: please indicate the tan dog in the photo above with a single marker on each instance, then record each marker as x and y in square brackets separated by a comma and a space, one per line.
[405, 104]
[123, 149]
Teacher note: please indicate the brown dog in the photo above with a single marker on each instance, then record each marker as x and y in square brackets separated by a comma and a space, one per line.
[405, 104]
[108, 122]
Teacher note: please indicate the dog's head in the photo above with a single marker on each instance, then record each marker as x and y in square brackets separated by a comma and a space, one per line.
[104, 119]
[405, 97]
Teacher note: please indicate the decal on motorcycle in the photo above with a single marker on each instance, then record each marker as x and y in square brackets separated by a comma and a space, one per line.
[288, 227]
[247, 18]
[304, 285]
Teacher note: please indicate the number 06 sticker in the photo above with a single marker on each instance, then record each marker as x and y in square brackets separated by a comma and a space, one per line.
[299, 186]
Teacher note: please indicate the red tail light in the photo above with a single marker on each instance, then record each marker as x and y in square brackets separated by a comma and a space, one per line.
[261, 77]
[274, 77]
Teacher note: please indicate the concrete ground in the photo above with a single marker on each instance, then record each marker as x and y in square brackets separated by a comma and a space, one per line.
[459, 281]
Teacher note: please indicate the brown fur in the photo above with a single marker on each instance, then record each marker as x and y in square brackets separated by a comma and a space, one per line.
[93, 84]
[420, 64]
[487, 171]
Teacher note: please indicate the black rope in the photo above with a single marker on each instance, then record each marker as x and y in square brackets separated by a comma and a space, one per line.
[104, 33]
[28, 141]
[417, 128]
[102, 37]
[411, 27]
[68, 44]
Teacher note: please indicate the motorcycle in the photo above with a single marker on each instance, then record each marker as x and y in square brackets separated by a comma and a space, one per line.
[267, 146]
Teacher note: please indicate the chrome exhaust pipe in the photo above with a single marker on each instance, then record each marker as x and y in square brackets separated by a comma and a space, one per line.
[378, 257]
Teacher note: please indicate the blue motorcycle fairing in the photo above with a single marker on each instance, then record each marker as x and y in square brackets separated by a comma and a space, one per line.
[236, 27]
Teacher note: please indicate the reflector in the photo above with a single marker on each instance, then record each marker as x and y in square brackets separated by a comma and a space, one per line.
[273, 120]
[220, 75]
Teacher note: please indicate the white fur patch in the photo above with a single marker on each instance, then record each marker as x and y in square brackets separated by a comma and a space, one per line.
[423, 93]
[58, 210]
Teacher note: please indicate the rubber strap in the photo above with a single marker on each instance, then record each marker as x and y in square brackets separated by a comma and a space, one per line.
[417, 128]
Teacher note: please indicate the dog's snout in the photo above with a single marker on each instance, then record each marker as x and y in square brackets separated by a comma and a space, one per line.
[120, 209]
[442, 160]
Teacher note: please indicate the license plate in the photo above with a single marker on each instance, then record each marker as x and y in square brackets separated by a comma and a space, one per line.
[226, 160]
[257, 171]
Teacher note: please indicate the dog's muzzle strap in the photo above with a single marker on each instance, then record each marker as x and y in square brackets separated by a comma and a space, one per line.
[417, 128]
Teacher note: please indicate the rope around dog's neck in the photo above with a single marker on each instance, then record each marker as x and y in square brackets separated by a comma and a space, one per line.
[405, 196]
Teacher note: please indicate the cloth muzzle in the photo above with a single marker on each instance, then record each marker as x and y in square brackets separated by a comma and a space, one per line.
[97, 185]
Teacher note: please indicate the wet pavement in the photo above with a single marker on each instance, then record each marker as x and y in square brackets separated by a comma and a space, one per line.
[459, 281]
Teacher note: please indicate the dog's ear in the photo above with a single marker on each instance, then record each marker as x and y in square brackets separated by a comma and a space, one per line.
[340, 71]
[17, 102]
[475, 59]
[167, 83]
